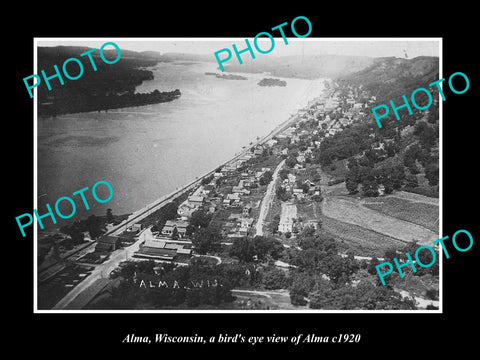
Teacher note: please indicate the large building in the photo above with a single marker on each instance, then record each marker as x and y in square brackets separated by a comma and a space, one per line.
[171, 225]
[289, 212]
[108, 244]
[163, 248]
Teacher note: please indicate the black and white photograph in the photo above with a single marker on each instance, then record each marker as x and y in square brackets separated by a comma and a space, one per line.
[268, 186]
[213, 179]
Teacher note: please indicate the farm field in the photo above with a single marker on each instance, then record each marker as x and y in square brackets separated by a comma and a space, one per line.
[362, 241]
[419, 213]
[351, 211]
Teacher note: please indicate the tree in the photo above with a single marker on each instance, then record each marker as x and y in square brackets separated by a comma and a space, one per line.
[297, 299]
[431, 173]
[145, 267]
[109, 216]
[94, 226]
[338, 269]
[204, 240]
[372, 266]
[274, 278]
[169, 211]
[305, 187]
[411, 181]
[207, 179]
[282, 194]
[283, 174]
[291, 161]
[351, 184]
[265, 178]
[243, 249]
[398, 176]
[175, 233]
[369, 184]
[265, 247]
[390, 254]
[274, 224]
[320, 297]
[200, 219]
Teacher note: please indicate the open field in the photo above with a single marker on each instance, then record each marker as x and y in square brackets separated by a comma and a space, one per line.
[350, 210]
[419, 213]
[362, 241]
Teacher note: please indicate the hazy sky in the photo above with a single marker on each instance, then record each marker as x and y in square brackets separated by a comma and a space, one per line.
[375, 47]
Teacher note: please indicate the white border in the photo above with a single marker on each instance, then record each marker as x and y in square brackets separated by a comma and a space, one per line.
[309, 311]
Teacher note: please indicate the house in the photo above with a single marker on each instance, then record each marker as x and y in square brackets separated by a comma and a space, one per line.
[246, 210]
[212, 209]
[186, 209]
[239, 188]
[258, 150]
[170, 225]
[246, 224]
[271, 142]
[108, 243]
[234, 197]
[135, 227]
[196, 200]
[301, 158]
[298, 193]
[381, 190]
[234, 217]
[291, 178]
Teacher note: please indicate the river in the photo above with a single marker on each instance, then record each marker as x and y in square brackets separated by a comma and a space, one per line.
[148, 151]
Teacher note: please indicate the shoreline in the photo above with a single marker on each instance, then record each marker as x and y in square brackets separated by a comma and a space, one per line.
[180, 190]
[140, 214]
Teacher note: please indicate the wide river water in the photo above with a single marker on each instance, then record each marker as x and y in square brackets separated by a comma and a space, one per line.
[148, 151]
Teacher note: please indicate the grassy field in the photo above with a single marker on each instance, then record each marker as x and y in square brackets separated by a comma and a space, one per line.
[350, 210]
[422, 214]
[362, 241]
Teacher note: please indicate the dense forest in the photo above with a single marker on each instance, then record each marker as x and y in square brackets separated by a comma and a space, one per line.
[403, 154]
[111, 86]
[272, 82]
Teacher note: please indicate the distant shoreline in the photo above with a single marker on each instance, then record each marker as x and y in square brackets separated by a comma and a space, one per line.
[106, 102]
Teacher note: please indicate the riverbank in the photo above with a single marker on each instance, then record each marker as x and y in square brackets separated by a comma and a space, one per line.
[86, 103]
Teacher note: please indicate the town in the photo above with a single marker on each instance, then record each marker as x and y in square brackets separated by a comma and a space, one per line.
[256, 223]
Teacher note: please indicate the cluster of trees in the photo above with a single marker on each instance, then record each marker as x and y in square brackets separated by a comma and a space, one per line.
[95, 225]
[394, 168]
[282, 194]
[87, 102]
[325, 278]
[167, 212]
[392, 176]
[424, 256]
[258, 248]
[386, 79]
[197, 284]
[347, 143]
[97, 90]
[266, 178]
[365, 295]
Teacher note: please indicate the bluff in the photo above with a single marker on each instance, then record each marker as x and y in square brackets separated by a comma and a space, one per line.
[111, 86]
